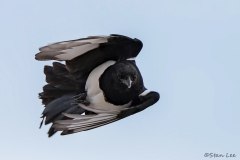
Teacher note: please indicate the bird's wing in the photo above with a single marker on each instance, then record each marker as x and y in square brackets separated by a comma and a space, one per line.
[146, 99]
[86, 122]
[83, 55]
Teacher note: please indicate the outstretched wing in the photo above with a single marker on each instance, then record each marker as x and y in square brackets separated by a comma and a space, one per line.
[83, 55]
[86, 122]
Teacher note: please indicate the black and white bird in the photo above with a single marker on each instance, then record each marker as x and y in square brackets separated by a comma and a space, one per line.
[99, 83]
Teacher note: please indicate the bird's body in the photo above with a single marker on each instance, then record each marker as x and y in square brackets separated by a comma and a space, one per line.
[100, 79]
[95, 94]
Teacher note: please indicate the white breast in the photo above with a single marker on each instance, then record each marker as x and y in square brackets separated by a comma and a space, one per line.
[95, 94]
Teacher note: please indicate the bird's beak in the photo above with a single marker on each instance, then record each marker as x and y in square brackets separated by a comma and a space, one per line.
[127, 82]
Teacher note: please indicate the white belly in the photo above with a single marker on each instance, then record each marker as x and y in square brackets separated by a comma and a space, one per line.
[95, 94]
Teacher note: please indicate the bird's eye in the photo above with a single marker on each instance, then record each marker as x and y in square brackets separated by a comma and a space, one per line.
[121, 76]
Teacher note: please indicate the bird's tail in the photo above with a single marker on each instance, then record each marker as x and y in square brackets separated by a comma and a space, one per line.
[57, 95]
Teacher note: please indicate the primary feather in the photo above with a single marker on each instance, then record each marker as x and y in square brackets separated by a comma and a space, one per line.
[68, 50]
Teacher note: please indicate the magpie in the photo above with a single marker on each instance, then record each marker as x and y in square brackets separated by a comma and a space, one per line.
[98, 84]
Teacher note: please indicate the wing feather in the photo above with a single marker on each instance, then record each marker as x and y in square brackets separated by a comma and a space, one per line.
[68, 50]
[82, 121]
[86, 122]
[83, 55]
[94, 126]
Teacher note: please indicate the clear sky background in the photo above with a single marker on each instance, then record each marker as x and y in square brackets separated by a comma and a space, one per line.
[191, 56]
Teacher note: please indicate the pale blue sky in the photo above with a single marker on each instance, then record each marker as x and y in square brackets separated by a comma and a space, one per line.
[191, 55]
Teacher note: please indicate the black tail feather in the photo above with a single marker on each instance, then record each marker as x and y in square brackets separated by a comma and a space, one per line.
[59, 81]
[57, 95]
[56, 107]
[41, 121]
[72, 110]
[61, 70]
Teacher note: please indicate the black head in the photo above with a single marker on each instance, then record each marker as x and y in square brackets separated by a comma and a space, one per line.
[125, 75]
[121, 82]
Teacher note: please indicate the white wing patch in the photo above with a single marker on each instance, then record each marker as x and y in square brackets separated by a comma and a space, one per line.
[68, 50]
[131, 59]
[69, 54]
[84, 122]
[94, 126]
[144, 93]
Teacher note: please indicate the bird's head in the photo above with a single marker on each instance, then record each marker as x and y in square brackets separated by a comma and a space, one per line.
[126, 75]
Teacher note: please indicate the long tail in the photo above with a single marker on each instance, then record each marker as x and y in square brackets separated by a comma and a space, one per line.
[57, 95]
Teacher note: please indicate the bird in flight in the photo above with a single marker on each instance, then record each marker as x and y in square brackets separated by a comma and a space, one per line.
[98, 84]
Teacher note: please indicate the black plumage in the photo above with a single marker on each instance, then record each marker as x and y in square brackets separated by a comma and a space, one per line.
[112, 82]
[100, 79]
